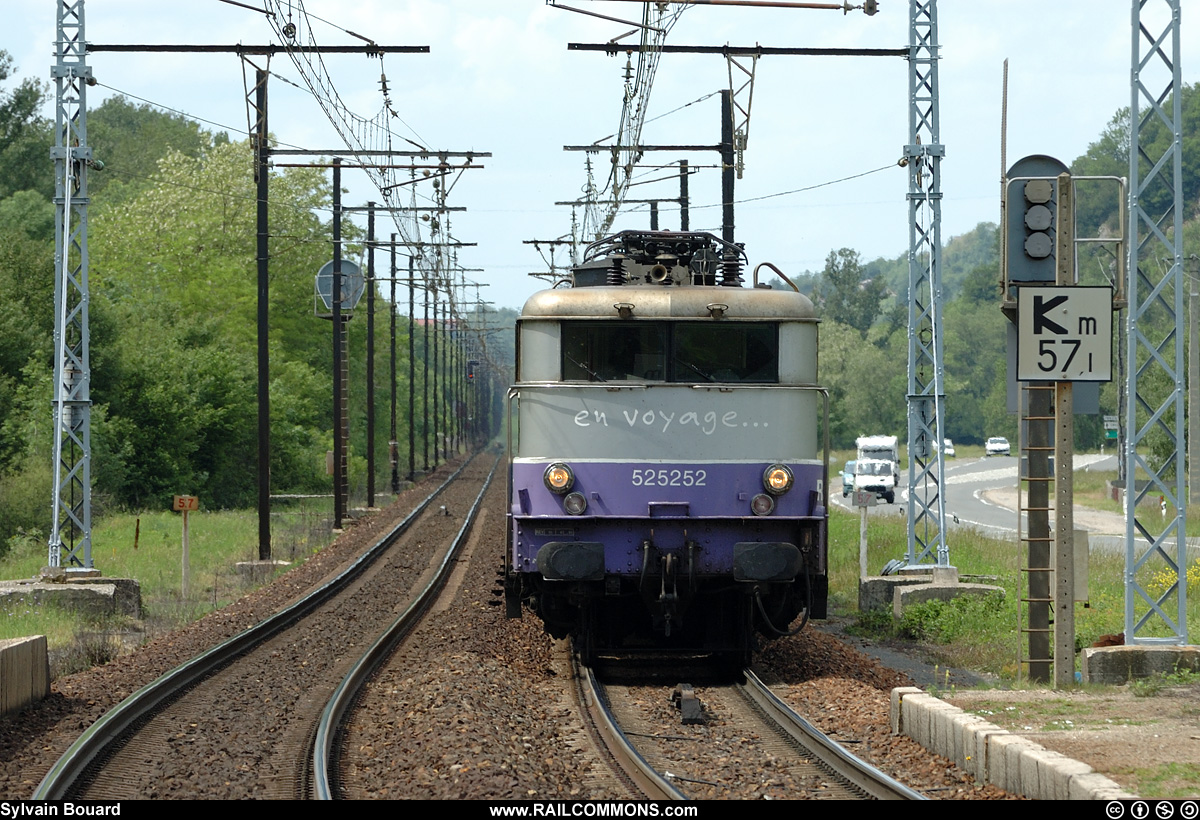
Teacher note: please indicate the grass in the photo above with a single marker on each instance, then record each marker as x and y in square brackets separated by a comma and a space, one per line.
[981, 633]
[1174, 780]
[148, 548]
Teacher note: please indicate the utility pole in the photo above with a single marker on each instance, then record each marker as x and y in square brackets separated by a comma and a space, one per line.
[71, 517]
[393, 445]
[260, 139]
[370, 355]
[340, 432]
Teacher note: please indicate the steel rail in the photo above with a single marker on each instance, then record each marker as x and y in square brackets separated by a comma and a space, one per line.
[632, 764]
[118, 721]
[343, 698]
[863, 775]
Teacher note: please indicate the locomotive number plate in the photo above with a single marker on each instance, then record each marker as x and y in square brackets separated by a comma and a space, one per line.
[669, 478]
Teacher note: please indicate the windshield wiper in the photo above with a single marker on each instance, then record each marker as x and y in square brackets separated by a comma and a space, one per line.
[583, 366]
[691, 366]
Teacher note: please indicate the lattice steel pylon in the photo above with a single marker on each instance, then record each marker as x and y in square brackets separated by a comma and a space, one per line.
[926, 382]
[71, 524]
[1154, 418]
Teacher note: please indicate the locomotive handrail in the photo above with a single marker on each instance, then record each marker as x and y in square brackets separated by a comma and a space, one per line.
[780, 273]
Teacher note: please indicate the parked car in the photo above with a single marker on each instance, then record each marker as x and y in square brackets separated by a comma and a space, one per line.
[847, 478]
[947, 447]
[997, 446]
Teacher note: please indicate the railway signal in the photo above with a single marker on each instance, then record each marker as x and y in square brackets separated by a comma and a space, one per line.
[1031, 227]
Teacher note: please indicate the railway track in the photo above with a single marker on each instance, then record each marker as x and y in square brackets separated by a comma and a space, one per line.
[241, 719]
[329, 734]
[748, 745]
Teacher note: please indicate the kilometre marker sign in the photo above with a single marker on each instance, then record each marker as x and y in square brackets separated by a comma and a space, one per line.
[1064, 334]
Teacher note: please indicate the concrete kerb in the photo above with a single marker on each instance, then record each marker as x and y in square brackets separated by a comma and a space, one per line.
[995, 755]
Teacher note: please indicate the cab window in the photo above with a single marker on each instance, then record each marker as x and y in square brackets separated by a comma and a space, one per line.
[681, 352]
[614, 351]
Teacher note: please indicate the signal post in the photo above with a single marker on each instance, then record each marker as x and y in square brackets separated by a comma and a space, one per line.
[1064, 335]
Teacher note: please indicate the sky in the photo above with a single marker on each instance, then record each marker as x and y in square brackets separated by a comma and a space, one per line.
[499, 78]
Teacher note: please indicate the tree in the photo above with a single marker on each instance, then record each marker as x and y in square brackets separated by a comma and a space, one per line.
[174, 265]
[131, 139]
[25, 137]
[844, 296]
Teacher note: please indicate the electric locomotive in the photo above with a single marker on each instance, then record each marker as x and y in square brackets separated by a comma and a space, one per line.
[668, 474]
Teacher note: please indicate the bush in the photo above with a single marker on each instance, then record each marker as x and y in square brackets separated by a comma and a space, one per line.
[949, 621]
[25, 498]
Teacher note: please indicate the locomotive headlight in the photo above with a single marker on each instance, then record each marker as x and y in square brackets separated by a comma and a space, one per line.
[559, 478]
[762, 504]
[575, 503]
[777, 479]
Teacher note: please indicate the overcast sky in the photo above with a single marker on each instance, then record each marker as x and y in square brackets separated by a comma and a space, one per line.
[499, 78]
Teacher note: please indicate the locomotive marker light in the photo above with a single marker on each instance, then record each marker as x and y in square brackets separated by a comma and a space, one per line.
[559, 478]
[762, 504]
[777, 479]
[575, 504]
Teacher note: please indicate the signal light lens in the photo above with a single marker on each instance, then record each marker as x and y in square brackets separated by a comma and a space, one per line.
[777, 479]
[575, 504]
[762, 504]
[559, 478]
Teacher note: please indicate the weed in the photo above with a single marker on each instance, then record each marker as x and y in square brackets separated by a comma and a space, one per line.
[146, 547]
[874, 623]
[1156, 683]
[1172, 780]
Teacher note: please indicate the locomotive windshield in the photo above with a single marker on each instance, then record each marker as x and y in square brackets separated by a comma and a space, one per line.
[670, 352]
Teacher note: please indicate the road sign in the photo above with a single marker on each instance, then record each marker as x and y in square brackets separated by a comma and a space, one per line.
[864, 498]
[186, 503]
[1064, 334]
[352, 288]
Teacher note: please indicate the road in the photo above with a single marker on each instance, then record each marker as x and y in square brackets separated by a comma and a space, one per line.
[975, 495]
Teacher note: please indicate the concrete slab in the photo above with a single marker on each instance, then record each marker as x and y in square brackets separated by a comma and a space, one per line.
[878, 591]
[910, 595]
[1120, 664]
[91, 594]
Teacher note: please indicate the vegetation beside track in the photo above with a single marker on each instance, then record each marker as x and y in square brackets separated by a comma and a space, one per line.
[982, 633]
[148, 547]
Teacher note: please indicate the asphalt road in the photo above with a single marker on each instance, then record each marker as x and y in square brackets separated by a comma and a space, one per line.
[966, 481]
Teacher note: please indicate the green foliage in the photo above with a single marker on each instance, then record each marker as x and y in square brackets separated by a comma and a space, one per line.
[979, 626]
[174, 267]
[29, 214]
[844, 296]
[866, 385]
[24, 499]
[130, 139]
[25, 137]
[1156, 683]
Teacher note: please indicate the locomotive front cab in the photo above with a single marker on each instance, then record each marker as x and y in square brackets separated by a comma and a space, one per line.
[667, 486]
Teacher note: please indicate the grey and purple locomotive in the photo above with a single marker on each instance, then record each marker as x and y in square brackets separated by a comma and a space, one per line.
[668, 471]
